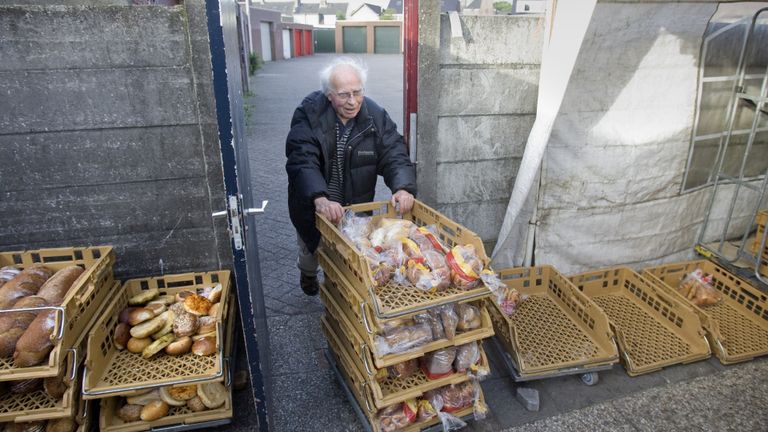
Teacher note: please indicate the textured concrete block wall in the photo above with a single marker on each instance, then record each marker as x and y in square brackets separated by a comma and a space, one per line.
[475, 121]
[108, 134]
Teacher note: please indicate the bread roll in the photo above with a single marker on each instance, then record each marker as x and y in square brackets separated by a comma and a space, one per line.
[214, 294]
[204, 347]
[13, 325]
[139, 315]
[180, 346]
[125, 314]
[170, 400]
[154, 410]
[144, 297]
[206, 324]
[183, 392]
[26, 283]
[60, 425]
[167, 327]
[122, 335]
[145, 398]
[55, 386]
[196, 404]
[197, 305]
[55, 289]
[130, 413]
[7, 273]
[147, 328]
[137, 345]
[215, 310]
[212, 394]
[157, 307]
[182, 295]
[157, 346]
[185, 324]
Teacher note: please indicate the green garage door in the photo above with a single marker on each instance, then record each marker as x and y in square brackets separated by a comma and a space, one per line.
[386, 40]
[325, 40]
[355, 39]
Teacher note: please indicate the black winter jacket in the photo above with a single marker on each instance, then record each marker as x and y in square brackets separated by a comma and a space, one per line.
[374, 148]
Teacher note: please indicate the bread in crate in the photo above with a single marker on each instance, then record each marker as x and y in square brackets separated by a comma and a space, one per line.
[402, 265]
[48, 298]
[159, 331]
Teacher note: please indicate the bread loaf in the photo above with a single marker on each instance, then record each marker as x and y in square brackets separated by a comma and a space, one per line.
[26, 283]
[60, 425]
[13, 325]
[35, 344]
[55, 289]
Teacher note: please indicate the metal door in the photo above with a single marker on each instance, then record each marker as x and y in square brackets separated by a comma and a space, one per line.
[297, 50]
[228, 92]
[286, 44]
[355, 39]
[325, 40]
[266, 41]
[386, 40]
[308, 42]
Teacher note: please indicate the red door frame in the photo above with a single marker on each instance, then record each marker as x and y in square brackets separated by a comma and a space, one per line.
[297, 50]
[410, 64]
[308, 42]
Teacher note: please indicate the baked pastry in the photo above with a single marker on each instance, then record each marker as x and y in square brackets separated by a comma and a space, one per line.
[214, 294]
[55, 386]
[13, 325]
[180, 346]
[145, 398]
[196, 404]
[144, 297]
[26, 283]
[55, 289]
[215, 310]
[185, 324]
[212, 394]
[182, 295]
[197, 305]
[205, 346]
[167, 327]
[122, 335]
[137, 345]
[60, 425]
[206, 324]
[169, 399]
[154, 410]
[150, 327]
[139, 315]
[130, 413]
[157, 346]
[183, 392]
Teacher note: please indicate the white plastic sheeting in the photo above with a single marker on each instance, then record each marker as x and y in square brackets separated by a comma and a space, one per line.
[610, 187]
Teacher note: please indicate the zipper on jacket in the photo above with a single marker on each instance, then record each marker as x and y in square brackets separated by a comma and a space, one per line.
[348, 158]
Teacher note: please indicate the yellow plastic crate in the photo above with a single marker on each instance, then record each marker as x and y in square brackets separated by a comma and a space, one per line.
[394, 300]
[653, 328]
[74, 316]
[556, 328]
[737, 327]
[112, 372]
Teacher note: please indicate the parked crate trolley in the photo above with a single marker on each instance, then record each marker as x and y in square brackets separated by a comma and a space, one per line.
[737, 327]
[357, 311]
[556, 331]
[653, 328]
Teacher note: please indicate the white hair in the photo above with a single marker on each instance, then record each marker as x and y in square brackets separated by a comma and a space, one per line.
[326, 72]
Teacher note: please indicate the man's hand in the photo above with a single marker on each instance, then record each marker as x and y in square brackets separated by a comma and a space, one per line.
[331, 210]
[405, 199]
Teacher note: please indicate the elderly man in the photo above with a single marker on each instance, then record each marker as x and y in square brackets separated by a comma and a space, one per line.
[339, 142]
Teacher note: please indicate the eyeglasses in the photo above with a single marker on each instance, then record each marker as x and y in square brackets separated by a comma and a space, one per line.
[346, 95]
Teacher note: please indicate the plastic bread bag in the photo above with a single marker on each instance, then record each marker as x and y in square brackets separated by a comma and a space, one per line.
[467, 355]
[465, 266]
[403, 339]
[389, 232]
[403, 370]
[433, 319]
[458, 396]
[697, 287]
[449, 319]
[435, 402]
[412, 250]
[508, 299]
[7, 273]
[382, 274]
[356, 228]
[469, 317]
[393, 324]
[434, 260]
[479, 408]
[422, 278]
[426, 411]
[439, 364]
[426, 238]
[398, 416]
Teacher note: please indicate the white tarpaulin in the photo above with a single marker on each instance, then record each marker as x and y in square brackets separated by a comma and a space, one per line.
[610, 186]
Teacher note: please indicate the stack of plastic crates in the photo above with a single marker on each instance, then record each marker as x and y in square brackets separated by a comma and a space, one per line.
[358, 311]
[556, 331]
[84, 301]
[112, 374]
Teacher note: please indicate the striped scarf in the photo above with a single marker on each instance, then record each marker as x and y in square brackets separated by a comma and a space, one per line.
[336, 185]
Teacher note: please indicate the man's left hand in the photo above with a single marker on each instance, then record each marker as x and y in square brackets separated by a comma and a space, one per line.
[405, 199]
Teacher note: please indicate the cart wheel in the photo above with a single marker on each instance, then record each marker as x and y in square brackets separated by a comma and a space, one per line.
[590, 378]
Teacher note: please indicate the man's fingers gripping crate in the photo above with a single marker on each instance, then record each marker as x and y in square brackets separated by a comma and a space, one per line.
[111, 372]
[653, 328]
[72, 318]
[343, 301]
[555, 328]
[737, 326]
[393, 300]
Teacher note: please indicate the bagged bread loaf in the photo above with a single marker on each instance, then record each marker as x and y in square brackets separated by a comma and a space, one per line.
[439, 364]
[469, 317]
[26, 283]
[397, 416]
[467, 355]
[402, 339]
[465, 266]
[13, 325]
[35, 344]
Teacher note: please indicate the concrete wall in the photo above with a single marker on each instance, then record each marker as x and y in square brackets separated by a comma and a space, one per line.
[108, 134]
[477, 104]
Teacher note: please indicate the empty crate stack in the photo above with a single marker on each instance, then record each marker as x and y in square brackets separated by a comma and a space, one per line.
[394, 344]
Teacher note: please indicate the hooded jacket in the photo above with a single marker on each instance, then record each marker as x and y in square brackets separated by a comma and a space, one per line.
[374, 148]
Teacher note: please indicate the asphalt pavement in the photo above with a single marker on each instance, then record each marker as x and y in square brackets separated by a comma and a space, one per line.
[306, 396]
